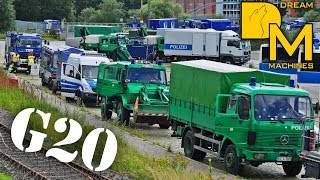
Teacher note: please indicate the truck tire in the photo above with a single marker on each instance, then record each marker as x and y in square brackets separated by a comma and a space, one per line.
[106, 110]
[43, 83]
[292, 168]
[50, 84]
[123, 114]
[69, 99]
[232, 162]
[79, 99]
[54, 88]
[189, 151]
[227, 60]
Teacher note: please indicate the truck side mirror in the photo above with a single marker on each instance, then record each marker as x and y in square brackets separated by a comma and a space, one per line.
[316, 108]
[78, 76]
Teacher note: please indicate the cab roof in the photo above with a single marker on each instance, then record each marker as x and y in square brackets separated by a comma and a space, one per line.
[268, 88]
[136, 65]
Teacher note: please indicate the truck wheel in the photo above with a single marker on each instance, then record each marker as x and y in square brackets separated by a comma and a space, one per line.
[50, 84]
[189, 151]
[164, 126]
[123, 114]
[106, 112]
[79, 100]
[54, 88]
[43, 83]
[292, 168]
[227, 61]
[69, 100]
[232, 161]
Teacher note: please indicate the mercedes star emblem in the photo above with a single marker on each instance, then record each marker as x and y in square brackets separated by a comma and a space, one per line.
[284, 139]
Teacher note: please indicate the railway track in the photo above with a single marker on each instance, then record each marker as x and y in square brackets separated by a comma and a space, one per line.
[22, 165]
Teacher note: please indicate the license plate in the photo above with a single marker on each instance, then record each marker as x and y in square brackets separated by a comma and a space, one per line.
[283, 158]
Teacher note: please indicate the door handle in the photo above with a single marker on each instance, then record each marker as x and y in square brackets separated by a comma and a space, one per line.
[219, 124]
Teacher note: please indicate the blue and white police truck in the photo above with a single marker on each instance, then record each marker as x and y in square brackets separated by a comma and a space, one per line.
[221, 46]
[51, 57]
[79, 77]
[22, 44]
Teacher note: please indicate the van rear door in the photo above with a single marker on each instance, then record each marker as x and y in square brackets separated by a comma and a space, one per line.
[70, 81]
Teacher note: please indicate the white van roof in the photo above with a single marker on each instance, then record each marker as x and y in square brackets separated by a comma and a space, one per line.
[93, 60]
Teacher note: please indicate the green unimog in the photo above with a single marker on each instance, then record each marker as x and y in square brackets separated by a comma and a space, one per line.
[241, 115]
[133, 87]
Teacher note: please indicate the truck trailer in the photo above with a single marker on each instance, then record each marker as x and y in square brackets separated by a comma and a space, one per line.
[239, 115]
[186, 44]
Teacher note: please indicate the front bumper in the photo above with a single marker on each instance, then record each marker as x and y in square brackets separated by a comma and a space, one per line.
[89, 97]
[271, 156]
[241, 59]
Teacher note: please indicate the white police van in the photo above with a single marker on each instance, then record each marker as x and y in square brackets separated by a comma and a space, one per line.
[79, 77]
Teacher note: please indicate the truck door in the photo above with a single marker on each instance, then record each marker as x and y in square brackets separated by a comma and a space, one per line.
[233, 120]
[112, 82]
[233, 47]
[70, 80]
[198, 45]
[212, 45]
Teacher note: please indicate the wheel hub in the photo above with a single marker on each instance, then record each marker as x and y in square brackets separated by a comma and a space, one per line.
[230, 160]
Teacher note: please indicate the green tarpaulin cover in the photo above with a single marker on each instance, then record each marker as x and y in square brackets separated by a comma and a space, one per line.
[105, 30]
[199, 81]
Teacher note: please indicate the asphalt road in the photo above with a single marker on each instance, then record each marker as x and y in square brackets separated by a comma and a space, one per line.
[162, 136]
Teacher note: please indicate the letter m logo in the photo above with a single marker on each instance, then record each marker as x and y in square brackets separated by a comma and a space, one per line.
[276, 34]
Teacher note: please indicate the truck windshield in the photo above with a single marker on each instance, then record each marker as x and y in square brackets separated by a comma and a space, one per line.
[146, 75]
[30, 43]
[89, 72]
[122, 41]
[274, 107]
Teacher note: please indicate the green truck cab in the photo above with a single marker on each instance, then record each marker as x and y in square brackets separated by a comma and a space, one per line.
[133, 87]
[103, 43]
[240, 115]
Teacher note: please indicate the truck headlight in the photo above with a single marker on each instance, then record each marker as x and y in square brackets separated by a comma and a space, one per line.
[258, 156]
[86, 88]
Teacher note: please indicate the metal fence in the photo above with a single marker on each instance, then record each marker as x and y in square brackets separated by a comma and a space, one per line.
[28, 26]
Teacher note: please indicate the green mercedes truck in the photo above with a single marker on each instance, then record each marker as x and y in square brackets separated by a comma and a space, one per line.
[136, 88]
[239, 115]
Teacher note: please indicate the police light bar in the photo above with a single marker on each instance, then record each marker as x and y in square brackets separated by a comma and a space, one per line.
[291, 84]
[252, 81]
[132, 61]
[159, 62]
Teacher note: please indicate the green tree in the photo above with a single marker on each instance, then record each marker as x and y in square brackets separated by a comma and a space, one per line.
[35, 10]
[312, 16]
[7, 15]
[161, 9]
[87, 15]
[216, 16]
[302, 11]
[109, 11]
[83, 4]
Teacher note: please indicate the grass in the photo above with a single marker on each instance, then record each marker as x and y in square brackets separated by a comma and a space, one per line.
[4, 176]
[128, 160]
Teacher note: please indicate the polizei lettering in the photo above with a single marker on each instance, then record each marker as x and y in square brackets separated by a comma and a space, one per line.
[179, 47]
[300, 128]
[182, 47]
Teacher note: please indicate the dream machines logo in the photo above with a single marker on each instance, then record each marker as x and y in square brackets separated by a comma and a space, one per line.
[262, 20]
[19, 128]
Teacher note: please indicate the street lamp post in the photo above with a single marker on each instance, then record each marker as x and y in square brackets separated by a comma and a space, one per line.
[148, 13]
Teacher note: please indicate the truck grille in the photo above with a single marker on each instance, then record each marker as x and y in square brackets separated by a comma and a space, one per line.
[277, 139]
